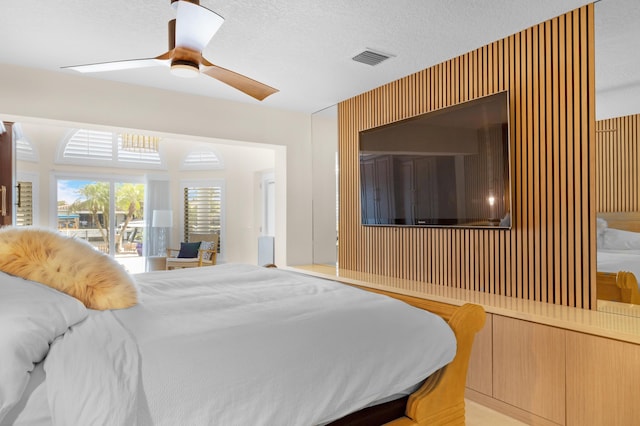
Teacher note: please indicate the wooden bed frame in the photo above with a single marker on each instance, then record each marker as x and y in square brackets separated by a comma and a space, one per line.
[619, 286]
[440, 400]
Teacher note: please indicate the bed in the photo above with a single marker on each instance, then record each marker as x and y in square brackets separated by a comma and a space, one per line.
[233, 345]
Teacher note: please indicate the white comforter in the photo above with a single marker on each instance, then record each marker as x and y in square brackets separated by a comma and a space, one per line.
[241, 345]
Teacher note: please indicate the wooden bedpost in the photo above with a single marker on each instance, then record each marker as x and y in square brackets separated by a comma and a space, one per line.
[440, 400]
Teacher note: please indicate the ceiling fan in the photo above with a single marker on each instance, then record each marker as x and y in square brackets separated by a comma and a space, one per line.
[189, 33]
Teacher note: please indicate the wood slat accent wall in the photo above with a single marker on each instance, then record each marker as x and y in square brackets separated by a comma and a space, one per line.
[549, 254]
[618, 164]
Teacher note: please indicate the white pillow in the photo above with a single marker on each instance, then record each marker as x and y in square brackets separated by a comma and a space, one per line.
[601, 225]
[32, 315]
[617, 239]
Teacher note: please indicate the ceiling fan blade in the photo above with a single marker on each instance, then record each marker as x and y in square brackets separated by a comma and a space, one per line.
[247, 85]
[195, 25]
[163, 59]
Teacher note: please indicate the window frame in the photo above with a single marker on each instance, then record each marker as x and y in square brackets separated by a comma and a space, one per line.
[112, 179]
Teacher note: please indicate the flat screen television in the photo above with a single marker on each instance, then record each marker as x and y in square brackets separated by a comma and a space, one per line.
[448, 167]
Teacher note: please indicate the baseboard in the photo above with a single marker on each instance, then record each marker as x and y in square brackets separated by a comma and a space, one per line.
[507, 409]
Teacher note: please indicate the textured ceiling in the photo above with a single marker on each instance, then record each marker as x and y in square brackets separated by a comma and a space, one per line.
[303, 48]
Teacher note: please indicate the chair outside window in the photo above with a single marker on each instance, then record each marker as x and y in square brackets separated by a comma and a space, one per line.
[205, 256]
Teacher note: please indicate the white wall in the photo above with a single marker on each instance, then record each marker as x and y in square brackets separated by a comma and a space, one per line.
[27, 94]
[240, 165]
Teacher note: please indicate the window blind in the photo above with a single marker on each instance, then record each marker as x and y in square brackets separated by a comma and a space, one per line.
[137, 157]
[24, 208]
[25, 150]
[202, 211]
[202, 159]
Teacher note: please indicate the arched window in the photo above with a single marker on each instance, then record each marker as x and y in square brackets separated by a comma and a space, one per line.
[26, 151]
[202, 159]
[100, 148]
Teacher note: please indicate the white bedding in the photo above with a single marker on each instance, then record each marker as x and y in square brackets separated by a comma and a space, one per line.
[31, 317]
[240, 345]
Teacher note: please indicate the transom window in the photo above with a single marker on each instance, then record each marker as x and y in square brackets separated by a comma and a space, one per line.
[25, 151]
[104, 148]
[202, 159]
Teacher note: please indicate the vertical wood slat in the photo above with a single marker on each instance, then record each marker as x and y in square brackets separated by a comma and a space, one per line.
[588, 111]
[548, 255]
[552, 153]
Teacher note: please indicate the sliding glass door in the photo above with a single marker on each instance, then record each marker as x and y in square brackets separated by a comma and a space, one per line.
[108, 214]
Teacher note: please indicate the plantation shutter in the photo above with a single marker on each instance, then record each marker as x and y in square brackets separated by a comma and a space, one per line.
[90, 144]
[24, 208]
[151, 158]
[105, 146]
[202, 211]
[25, 151]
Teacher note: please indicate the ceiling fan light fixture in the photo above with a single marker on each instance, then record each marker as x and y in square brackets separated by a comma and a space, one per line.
[185, 69]
[189, 33]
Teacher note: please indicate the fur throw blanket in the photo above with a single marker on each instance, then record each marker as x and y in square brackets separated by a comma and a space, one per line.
[69, 265]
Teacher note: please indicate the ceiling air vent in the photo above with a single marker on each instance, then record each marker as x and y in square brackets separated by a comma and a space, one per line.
[370, 57]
